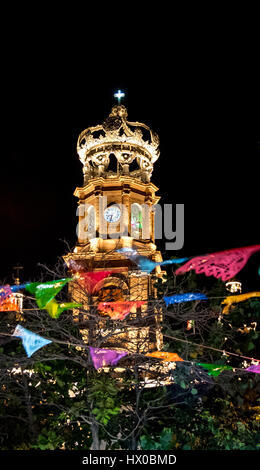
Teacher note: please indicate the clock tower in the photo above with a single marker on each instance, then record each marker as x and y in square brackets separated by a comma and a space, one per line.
[115, 211]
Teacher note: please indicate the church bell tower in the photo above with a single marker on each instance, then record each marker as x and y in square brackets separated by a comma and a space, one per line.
[115, 211]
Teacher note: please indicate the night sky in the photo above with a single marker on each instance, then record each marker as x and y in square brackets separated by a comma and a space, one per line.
[209, 141]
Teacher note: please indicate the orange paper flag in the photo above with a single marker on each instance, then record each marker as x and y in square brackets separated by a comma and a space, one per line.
[9, 305]
[165, 356]
[234, 299]
[119, 310]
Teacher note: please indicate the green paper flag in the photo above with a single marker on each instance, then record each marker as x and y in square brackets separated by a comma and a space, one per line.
[55, 309]
[45, 292]
[214, 369]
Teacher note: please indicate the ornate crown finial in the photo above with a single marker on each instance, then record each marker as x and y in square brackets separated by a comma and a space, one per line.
[119, 110]
[127, 141]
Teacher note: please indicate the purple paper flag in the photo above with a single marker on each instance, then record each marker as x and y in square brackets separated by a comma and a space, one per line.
[254, 368]
[105, 357]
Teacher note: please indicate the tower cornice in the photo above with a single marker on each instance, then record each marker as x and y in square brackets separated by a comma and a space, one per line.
[118, 183]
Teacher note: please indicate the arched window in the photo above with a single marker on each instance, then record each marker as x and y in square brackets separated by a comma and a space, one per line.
[110, 294]
[113, 289]
[136, 220]
[113, 163]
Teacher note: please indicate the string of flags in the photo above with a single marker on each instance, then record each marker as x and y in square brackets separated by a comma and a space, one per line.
[105, 357]
[102, 357]
[224, 265]
[45, 293]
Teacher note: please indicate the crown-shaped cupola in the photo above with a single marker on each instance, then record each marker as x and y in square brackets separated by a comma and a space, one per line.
[133, 144]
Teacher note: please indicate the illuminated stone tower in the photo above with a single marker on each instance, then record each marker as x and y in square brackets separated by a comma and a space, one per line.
[114, 212]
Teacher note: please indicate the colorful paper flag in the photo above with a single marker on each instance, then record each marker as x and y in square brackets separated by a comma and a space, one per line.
[165, 356]
[119, 310]
[144, 263]
[105, 357]
[127, 250]
[9, 305]
[178, 298]
[174, 261]
[214, 369]
[55, 309]
[46, 291]
[31, 341]
[223, 264]
[254, 368]
[5, 292]
[17, 287]
[91, 280]
[233, 299]
[7, 300]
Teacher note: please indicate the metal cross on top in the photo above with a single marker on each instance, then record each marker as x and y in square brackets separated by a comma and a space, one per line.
[119, 94]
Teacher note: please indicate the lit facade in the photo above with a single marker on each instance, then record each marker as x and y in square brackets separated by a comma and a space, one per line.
[115, 211]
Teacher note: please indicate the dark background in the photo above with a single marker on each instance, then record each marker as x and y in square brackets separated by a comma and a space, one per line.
[207, 118]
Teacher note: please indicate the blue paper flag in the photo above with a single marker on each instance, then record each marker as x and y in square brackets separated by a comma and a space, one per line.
[178, 298]
[17, 287]
[31, 341]
[126, 250]
[174, 261]
[144, 263]
[147, 265]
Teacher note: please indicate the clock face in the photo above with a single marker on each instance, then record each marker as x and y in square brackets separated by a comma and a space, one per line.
[112, 214]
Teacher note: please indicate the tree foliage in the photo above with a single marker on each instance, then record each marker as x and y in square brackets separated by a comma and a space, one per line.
[57, 400]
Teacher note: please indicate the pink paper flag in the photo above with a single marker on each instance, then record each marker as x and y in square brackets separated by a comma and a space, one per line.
[223, 264]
